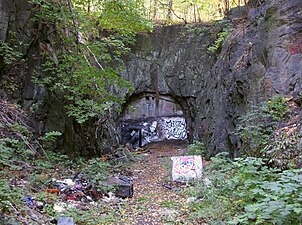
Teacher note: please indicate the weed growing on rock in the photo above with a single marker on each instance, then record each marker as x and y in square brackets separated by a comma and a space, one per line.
[221, 37]
[277, 107]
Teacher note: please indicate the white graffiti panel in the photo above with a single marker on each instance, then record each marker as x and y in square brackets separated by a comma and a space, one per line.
[149, 133]
[174, 128]
[140, 133]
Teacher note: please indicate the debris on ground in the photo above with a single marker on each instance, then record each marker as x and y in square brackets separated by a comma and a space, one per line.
[65, 221]
[123, 186]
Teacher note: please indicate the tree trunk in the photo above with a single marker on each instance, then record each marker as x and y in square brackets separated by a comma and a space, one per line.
[154, 10]
[169, 14]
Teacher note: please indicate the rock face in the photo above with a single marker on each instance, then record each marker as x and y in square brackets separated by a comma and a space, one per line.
[261, 57]
[29, 36]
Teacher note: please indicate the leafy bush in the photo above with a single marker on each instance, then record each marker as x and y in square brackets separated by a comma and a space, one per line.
[267, 132]
[278, 201]
[9, 196]
[285, 151]
[49, 139]
[96, 171]
[197, 148]
[246, 191]
[255, 129]
[277, 107]
[8, 53]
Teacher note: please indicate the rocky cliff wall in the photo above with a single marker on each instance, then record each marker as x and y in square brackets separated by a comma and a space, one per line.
[260, 58]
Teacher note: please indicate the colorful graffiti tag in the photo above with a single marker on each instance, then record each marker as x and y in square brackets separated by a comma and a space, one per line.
[174, 128]
[186, 167]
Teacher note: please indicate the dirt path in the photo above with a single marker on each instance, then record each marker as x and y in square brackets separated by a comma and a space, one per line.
[156, 200]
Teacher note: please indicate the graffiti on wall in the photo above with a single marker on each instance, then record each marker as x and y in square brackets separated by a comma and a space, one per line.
[140, 133]
[150, 132]
[174, 128]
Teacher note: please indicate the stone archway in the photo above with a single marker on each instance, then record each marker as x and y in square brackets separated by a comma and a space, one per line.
[149, 119]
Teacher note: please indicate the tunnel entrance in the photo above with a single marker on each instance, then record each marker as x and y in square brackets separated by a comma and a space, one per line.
[149, 119]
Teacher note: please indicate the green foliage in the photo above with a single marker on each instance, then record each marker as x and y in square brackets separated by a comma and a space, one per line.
[86, 89]
[197, 148]
[51, 136]
[124, 16]
[189, 11]
[222, 35]
[13, 149]
[10, 196]
[92, 37]
[246, 191]
[48, 140]
[96, 214]
[97, 171]
[255, 130]
[48, 11]
[277, 107]
[278, 201]
[8, 53]
[285, 151]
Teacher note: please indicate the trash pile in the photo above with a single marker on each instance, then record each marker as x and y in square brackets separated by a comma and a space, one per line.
[79, 193]
[42, 186]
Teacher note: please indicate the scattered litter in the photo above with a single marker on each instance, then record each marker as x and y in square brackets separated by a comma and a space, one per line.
[58, 192]
[71, 198]
[65, 221]
[124, 189]
[60, 207]
[191, 199]
[69, 182]
[185, 168]
[111, 198]
[63, 184]
[168, 187]
[76, 187]
[29, 201]
[127, 179]
[39, 205]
